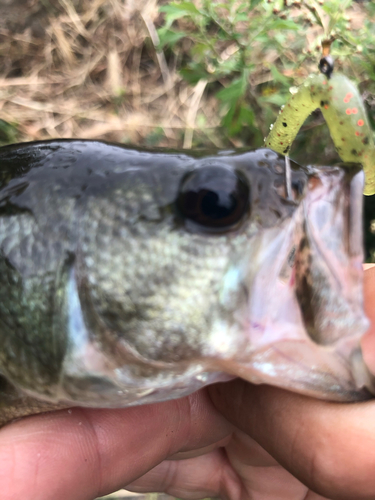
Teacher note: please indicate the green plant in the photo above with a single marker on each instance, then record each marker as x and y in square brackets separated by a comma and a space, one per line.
[251, 52]
[8, 133]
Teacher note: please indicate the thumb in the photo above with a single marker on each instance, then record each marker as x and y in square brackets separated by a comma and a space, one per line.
[368, 341]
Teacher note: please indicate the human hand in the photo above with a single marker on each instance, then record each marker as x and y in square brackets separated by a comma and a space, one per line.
[272, 444]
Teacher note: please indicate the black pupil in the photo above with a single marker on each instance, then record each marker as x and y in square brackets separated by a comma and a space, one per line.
[213, 197]
[218, 205]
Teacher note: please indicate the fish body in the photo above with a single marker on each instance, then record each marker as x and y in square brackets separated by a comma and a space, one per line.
[130, 277]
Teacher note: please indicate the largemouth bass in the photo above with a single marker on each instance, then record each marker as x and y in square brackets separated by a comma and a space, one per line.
[132, 277]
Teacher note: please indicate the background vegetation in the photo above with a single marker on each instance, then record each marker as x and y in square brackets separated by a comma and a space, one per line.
[179, 74]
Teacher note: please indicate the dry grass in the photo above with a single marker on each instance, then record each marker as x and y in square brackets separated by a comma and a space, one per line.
[89, 68]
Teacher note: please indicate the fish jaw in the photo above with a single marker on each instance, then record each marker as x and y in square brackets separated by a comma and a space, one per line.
[304, 318]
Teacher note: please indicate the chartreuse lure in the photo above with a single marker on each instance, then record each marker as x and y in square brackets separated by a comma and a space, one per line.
[344, 112]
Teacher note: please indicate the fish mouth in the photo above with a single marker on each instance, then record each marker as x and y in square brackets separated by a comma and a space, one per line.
[305, 317]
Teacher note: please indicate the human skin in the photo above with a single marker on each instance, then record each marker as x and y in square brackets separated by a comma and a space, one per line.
[234, 440]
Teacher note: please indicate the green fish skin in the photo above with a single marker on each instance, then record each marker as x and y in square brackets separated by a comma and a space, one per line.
[129, 277]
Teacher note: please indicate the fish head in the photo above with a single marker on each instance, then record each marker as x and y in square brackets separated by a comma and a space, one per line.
[214, 272]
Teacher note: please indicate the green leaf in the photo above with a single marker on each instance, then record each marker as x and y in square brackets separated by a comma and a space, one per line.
[234, 91]
[182, 8]
[241, 16]
[201, 50]
[254, 3]
[238, 116]
[169, 37]
[8, 132]
[195, 72]
[247, 116]
[154, 138]
[279, 77]
[222, 6]
[283, 24]
[278, 99]
[189, 7]
[229, 66]
[228, 121]
[175, 11]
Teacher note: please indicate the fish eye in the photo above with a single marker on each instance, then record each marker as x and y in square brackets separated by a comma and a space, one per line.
[214, 197]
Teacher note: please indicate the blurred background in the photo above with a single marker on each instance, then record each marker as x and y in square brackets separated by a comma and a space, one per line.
[174, 74]
[184, 74]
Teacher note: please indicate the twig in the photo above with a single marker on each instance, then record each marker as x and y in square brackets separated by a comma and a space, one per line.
[192, 113]
[163, 66]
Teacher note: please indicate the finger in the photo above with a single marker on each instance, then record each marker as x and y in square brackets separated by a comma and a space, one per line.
[329, 447]
[182, 455]
[262, 477]
[81, 454]
[243, 471]
[368, 341]
[209, 475]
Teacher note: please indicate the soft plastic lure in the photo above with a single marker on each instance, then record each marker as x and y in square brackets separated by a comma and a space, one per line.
[344, 112]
